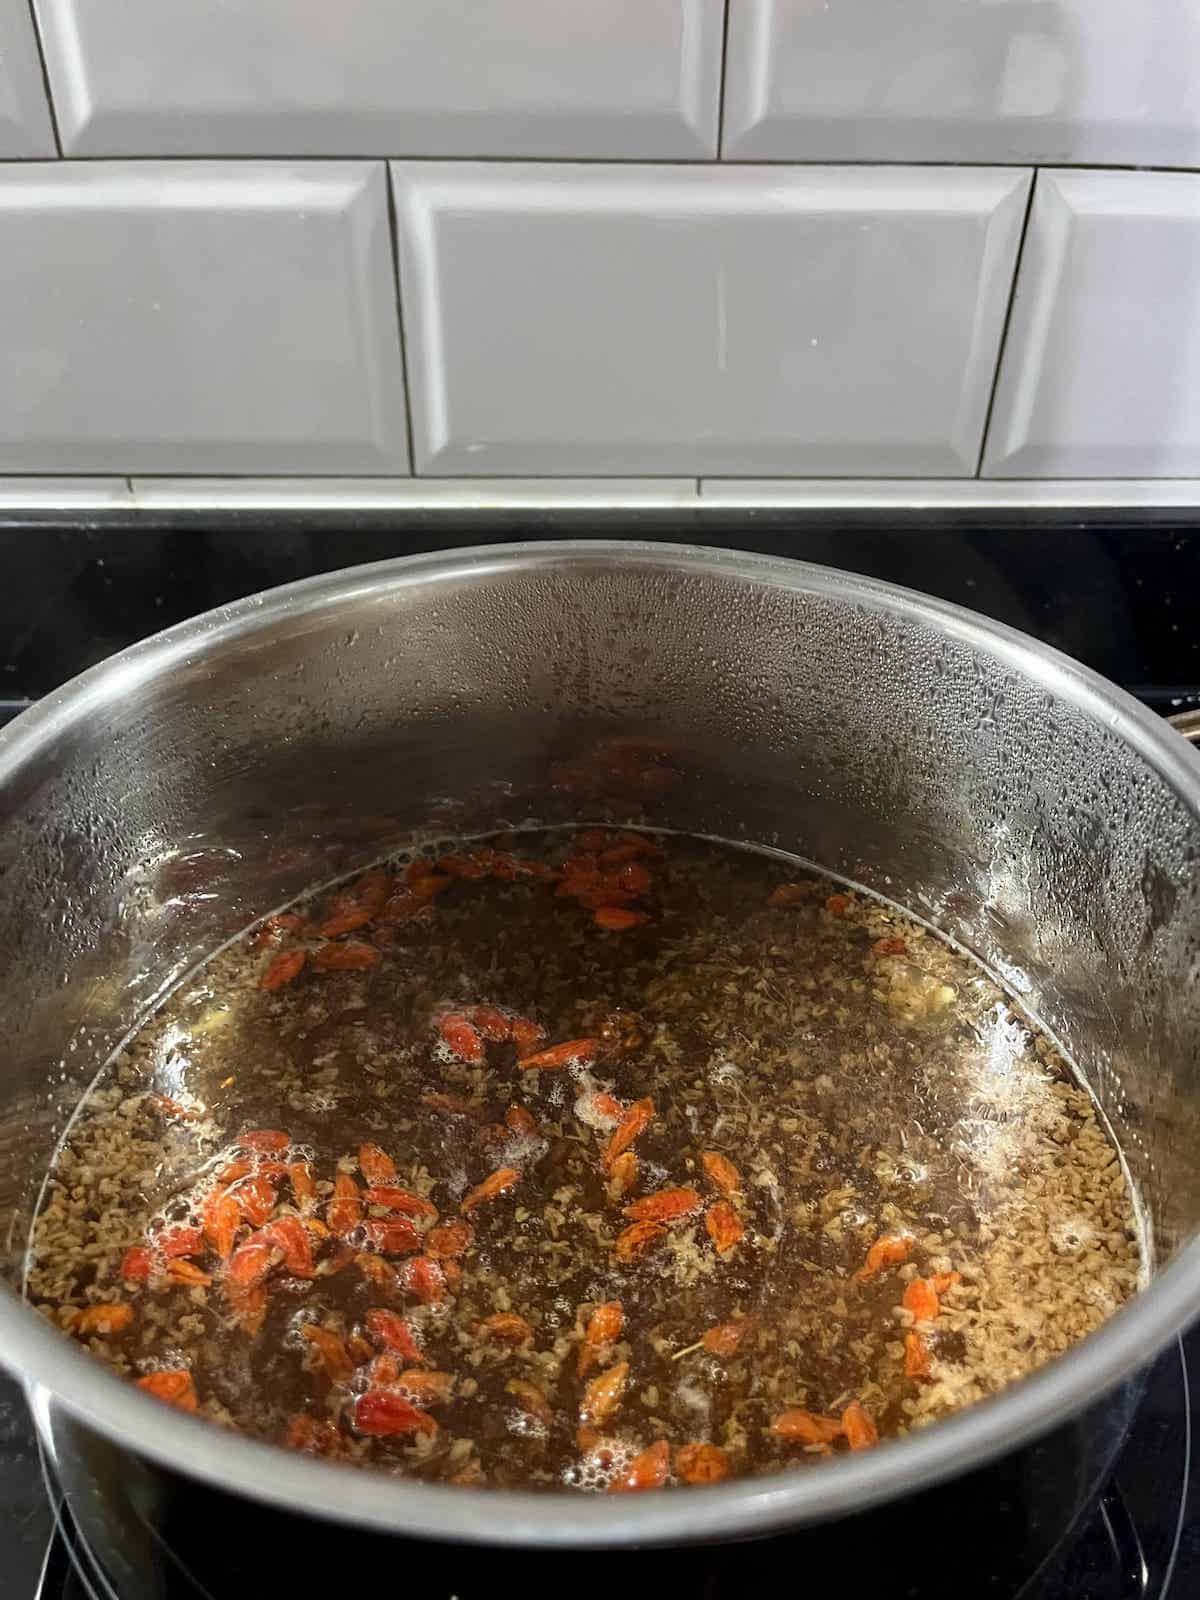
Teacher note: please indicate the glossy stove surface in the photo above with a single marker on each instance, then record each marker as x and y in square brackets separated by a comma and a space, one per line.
[1114, 591]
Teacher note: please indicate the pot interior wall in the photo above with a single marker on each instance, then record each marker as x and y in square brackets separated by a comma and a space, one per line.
[187, 791]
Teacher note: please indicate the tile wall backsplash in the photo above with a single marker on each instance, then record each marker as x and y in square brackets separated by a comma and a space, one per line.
[591, 239]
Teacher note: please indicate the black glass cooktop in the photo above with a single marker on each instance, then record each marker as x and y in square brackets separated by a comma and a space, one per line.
[1113, 589]
[1114, 592]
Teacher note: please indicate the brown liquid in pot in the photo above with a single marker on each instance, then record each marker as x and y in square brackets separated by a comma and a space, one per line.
[851, 1189]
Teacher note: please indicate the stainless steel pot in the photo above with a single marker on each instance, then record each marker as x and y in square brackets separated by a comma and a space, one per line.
[159, 802]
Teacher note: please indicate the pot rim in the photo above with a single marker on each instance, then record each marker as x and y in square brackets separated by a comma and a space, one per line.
[57, 1372]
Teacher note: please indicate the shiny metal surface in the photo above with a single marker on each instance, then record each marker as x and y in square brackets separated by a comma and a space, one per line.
[158, 803]
[1188, 724]
[614, 495]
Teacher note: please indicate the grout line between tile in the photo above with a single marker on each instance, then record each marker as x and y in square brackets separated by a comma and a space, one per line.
[41, 50]
[757, 477]
[389, 477]
[721, 92]
[1011, 164]
[394, 240]
[1008, 311]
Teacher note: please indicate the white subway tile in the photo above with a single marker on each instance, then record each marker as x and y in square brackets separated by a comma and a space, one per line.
[600, 319]
[614, 78]
[1101, 369]
[194, 317]
[1089, 81]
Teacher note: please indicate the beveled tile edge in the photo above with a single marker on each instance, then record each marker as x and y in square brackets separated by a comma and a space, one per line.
[369, 212]
[745, 97]
[947, 494]
[1035, 298]
[64, 494]
[29, 136]
[702, 81]
[998, 268]
[408, 494]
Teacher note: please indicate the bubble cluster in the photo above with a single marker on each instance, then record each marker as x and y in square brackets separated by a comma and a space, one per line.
[597, 1470]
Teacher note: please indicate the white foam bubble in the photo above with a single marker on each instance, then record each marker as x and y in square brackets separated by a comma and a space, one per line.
[293, 1337]
[526, 1426]
[693, 1398]
[590, 1114]
[598, 1469]
[577, 1068]
[1073, 1235]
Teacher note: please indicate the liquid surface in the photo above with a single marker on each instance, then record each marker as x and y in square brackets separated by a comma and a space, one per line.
[600, 1162]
